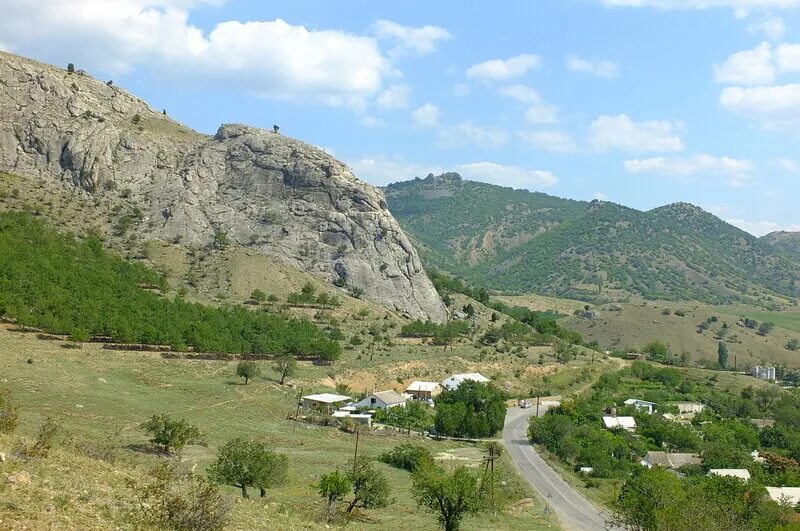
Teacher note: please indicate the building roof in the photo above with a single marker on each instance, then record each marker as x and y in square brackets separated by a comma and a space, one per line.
[472, 376]
[669, 460]
[389, 397]
[638, 401]
[426, 387]
[327, 398]
[788, 495]
[740, 473]
[763, 423]
[619, 422]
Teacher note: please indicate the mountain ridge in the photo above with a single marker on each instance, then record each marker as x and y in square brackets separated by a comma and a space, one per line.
[256, 188]
[576, 248]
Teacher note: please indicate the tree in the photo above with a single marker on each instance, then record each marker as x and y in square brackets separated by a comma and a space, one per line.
[722, 355]
[78, 336]
[765, 396]
[9, 413]
[451, 496]
[648, 499]
[171, 434]
[793, 345]
[471, 410]
[766, 327]
[243, 464]
[247, 370]
[284, 365]
[258, 296]
[70, 68]
[333, 486]
[469, 310]
[657, 351]
[370, 486]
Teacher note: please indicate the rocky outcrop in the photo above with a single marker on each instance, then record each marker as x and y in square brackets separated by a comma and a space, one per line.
[256, 188]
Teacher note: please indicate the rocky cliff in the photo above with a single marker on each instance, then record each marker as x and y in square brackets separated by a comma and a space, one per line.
[251, 187]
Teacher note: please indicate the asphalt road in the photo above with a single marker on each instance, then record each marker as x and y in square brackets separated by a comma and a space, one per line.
[573, 510]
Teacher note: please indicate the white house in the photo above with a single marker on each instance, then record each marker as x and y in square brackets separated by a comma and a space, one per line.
[785, 495]
[381, 400]
[627, 423]
[360, 418]
[641, 405]
[455, 380]
[424, 390]
[741, 473]
[670, 460]
[324, 401]
[689, 408]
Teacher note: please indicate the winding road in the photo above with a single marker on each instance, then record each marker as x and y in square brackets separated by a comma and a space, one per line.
[573, 510]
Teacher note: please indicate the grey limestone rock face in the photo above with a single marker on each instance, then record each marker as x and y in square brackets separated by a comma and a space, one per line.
[280, 196]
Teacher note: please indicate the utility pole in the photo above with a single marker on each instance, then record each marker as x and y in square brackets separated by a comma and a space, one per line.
[355, 454]
[537, 402]
[297, 413]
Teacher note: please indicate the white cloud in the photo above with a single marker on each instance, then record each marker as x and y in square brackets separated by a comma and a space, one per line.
[539, 112]
[426, 115]
[371, 121]
[467, 133]
[736, 170]
[787, 57]
[553, 141]
[384, 170]
[748, 67]
[503, 69]
[741, 6]
[422, 40]
[787, 165]
[270, 58]
[505, 175]
[775, 107]
[600, 196]
[395, 97]
[620, 132]
[760, 228]
[603, 69]
[773, 28]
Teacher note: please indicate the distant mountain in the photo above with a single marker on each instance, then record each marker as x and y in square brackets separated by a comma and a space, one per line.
[516, 240]
[788, 242]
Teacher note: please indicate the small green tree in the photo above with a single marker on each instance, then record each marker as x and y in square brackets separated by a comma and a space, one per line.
[244, 464]
[451, 496]
[766, 327]
[70, 68]
[722, 355]
[284, 365]
[170, 434]
[247, 370]
[333, 487]
[793, 345]
[78, 336]
[221, 240]
[370, 486]
[9, 413]
[258, 296]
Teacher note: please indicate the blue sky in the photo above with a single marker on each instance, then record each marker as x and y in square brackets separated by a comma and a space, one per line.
[642, 102]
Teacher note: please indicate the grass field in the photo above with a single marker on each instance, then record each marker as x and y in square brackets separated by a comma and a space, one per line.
[102, 395]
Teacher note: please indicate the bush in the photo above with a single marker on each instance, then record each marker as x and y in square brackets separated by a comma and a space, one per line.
[180, 500]
[408, 457]
[43, 441]
[9, 413]
[170, 434]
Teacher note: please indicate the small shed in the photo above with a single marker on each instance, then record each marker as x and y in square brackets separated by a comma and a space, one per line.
[690, 408]
[324, 401]
[382, 400]
[741, 473]
[641, 405]
[626, 423]
[424, 390]
[785, 495]
[670, 460]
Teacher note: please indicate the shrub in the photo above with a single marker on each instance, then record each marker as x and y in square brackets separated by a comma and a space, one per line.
[247, 370]
[136, 118]
[170, 434]
[43, 441]
[408, 457]
[9, 413]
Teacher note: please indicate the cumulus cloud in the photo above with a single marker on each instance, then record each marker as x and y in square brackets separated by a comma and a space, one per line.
[270, 58]
[773, 28]
[775, 107]
[421, 41]
[503, 69]
[600, 196]
[762, 227]
[426, 115]
[603, 69]
[384, 170]
[467, 133]
[395, 97]
[748, 67]
[787, 165]
[552, 141]
[620, 132]
[787, 57]
[539, 112]
[738, 171]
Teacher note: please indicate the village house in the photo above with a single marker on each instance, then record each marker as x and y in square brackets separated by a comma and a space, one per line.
[741, 473]
[324, 401]
[762, 423]
[381, 400]
[364, 419]
[689, 408]
[785, 495]
[424, 390]
[641, 405]
[670, 460]
[626, 423]
[455, 380]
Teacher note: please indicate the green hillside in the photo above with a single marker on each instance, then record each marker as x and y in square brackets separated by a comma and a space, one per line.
[519, 241]
[788, 242]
